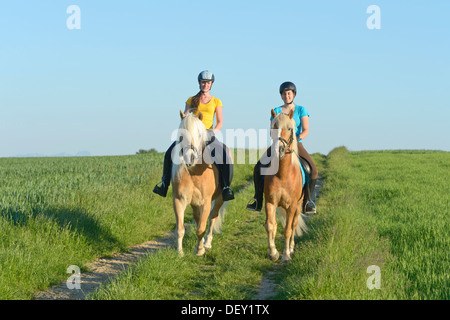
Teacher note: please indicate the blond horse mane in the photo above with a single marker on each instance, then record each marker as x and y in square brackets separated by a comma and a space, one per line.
[193, 125]
[191, 128]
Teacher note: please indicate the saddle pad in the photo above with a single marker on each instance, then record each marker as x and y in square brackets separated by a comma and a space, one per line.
[305, 177]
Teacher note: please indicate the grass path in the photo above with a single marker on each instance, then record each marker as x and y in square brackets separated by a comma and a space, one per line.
[234, 268]
[101, 271]
[104, 270]
[269, 287]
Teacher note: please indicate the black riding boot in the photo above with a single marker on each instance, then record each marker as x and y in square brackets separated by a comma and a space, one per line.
[162, 186]
[255, 204]
[309, 205]
[225, 177]
[224, 165]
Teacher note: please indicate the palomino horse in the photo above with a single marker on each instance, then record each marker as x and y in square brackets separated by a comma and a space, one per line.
[195, 182]
[284, 188]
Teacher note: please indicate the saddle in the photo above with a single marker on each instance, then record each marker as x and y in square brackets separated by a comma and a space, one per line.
[306, 167]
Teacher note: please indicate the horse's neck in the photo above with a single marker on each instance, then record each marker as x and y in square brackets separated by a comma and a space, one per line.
[285, 166]
[198, 168]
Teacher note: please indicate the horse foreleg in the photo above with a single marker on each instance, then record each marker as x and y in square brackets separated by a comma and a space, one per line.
[289, 233]
[271, 228]
[201, 228]
[212, 220]
[179, 206]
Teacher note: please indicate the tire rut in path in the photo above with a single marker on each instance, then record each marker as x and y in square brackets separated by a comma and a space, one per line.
[268, 287]
[103, 270]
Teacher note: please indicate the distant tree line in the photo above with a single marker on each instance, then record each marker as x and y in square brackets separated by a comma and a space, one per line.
[143, 151]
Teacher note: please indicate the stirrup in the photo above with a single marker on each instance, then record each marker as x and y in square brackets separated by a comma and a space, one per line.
[310, 207]
[252, 205]
[160, 189]
[227, 194]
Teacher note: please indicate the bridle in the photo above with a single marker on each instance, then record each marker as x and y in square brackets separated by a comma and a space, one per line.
[189, 147]
[197, 153]
[287, 144]
[186, 136]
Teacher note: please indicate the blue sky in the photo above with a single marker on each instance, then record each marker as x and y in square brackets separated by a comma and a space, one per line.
[116, 85]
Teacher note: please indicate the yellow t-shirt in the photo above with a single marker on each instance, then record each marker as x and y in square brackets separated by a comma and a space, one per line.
[208, 110]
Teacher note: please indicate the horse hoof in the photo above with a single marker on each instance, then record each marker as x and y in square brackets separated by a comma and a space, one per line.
[181, 254]
[208, 245]
[200, 252]
[286, 258]
[274, 257]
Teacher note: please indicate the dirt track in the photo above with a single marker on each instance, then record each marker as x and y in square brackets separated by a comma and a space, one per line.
[107, 268]
[104, 269]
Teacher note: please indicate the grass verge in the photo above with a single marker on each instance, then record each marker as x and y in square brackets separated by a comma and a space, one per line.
[376, 211]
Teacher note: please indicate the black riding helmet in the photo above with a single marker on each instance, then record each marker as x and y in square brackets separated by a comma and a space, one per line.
[288, 86]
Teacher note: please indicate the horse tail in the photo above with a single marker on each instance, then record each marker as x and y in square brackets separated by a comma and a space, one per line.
[301, 225]
[217, 227]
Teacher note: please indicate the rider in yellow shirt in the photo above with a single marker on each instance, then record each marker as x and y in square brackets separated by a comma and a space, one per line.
[210, 107]
[208, 110]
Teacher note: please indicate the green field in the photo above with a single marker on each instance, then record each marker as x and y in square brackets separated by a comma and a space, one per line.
[383, 208]
[57, 212]
[388, 209]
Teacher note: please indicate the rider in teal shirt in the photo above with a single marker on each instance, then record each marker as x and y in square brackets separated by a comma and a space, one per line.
[299, 113]
[288, 91]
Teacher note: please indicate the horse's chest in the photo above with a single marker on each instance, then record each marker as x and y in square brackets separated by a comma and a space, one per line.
[197, 187]
[194, 195]
[191, 194]
[197, 196]
[284, 202]
[281, 195]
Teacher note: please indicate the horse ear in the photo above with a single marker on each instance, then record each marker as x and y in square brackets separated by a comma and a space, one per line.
[200, 115]
[182, 115]
[291, 114]
[273, 114]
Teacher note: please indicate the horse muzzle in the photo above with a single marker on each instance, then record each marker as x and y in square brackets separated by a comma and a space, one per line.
[190, 155]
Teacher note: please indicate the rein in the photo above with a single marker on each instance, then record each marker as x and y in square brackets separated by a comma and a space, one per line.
[287, 144]
[198, 154]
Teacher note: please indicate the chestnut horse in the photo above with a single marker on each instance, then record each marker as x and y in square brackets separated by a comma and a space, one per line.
[284, 188]
[195, 181]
